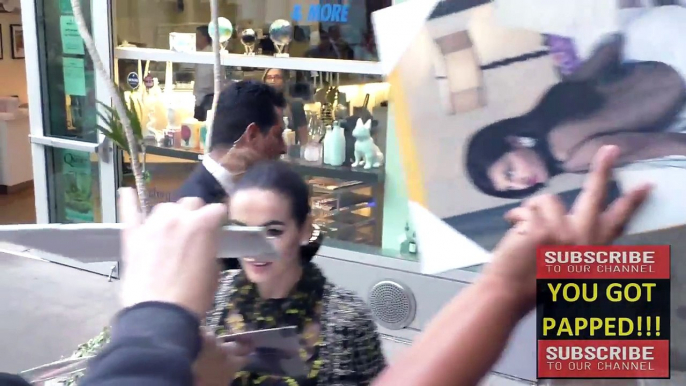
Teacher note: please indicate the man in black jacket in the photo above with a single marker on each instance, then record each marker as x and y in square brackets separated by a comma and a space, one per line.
[248, 122]
[249, 117]
[247, 128]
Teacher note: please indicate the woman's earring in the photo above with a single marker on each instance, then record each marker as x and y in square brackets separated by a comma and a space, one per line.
[527, 142]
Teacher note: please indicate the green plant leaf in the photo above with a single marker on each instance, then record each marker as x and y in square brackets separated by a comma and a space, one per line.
[133, 109]
[115, 137]
[113, 127]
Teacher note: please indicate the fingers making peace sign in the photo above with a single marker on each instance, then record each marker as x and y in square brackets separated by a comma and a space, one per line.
[544, 220]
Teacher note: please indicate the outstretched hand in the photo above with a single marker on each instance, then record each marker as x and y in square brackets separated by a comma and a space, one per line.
[544, 220]
[219, 362]
[170, 256]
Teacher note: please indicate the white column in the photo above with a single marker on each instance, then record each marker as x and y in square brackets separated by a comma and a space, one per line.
[102, 36]
[34, 91]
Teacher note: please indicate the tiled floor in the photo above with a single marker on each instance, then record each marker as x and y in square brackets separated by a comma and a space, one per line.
[18, 208]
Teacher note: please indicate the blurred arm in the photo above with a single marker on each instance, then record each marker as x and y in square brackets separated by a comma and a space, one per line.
[463, 342]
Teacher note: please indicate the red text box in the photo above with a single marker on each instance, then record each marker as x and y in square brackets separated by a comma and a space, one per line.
[603, 262]
[603, 359]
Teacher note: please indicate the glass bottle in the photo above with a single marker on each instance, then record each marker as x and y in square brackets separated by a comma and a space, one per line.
[412, 244]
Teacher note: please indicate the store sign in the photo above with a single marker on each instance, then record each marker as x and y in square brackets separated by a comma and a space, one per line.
[133, 80]
[333, 13]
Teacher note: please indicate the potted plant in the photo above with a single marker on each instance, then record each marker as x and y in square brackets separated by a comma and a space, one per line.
[113, 128]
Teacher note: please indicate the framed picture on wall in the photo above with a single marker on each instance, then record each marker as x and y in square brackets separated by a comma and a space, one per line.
[2, 45]
[17, 38]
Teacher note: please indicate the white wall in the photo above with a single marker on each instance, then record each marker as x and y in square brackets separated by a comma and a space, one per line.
[15, 151]
[12, 71]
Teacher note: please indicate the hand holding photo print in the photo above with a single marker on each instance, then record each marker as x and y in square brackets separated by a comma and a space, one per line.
[497, 101]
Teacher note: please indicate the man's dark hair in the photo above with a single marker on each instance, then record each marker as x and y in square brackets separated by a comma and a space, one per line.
[204, 31]
[241, 104]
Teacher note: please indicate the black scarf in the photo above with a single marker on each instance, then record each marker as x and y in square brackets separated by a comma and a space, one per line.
[299, 308]
[247, 311]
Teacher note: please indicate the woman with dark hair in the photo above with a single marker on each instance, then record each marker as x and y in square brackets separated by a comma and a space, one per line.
[629, 93]
[339, 341]
[295, 110]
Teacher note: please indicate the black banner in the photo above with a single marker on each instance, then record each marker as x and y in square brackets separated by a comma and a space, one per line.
[608, 309]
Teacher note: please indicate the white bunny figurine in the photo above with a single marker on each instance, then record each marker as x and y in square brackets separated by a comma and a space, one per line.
[366, 151]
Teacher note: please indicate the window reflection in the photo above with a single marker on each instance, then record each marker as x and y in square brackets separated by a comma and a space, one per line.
[324, 34]
[347, 200]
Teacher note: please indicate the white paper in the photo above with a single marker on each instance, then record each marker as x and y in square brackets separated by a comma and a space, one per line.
[396, 27]
[96, 243]
[666, 204]
[441, 247]
[277, 351]
[558, 17]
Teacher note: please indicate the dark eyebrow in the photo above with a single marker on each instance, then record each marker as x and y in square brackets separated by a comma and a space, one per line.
[273, 222]
[268, 223]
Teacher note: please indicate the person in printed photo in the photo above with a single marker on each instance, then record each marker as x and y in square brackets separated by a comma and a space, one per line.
[630, 92]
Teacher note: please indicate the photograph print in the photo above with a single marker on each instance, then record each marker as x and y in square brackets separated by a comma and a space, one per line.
[509, 104]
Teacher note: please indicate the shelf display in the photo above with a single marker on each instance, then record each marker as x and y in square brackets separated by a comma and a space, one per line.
[344, 210]
[248, 39]
[348, 200]
[313, 32]
[182, 42]
[280, 33]
[367, 154]
[225, 31]
[250, 61]
[334, 145]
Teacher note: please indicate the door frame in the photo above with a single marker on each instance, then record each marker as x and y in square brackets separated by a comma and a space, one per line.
[101, 17]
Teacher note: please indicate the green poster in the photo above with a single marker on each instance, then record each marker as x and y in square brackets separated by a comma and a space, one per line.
[72, 44]
[78, 186]
[74, 76]
[65, 7]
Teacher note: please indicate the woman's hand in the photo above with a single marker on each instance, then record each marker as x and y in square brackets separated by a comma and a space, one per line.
[544, 220]
[218, 362]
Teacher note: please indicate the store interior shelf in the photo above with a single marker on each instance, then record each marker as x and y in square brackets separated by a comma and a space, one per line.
[303, 167]
[369, 176]
[174, 153]
[255, 61]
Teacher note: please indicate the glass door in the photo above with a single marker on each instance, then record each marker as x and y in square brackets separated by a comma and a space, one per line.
[73, 164]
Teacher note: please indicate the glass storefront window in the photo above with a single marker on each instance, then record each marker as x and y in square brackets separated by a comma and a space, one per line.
[332, 29]
[347, 201]
[73, 186]
[69, 104]
[166, 175]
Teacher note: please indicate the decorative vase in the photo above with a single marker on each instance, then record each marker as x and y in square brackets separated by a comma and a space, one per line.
[326, 143]
[335, 154]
